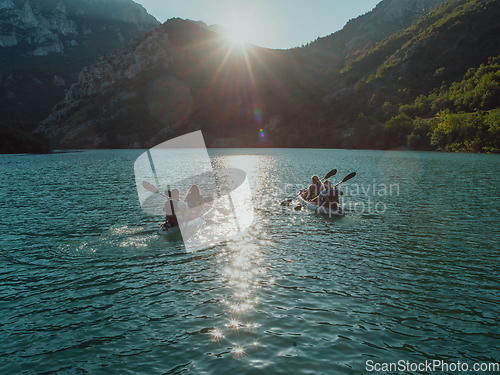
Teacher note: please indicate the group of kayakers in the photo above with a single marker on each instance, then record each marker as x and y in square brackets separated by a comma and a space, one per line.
[178, 211]
[193, 205]
[322, 194]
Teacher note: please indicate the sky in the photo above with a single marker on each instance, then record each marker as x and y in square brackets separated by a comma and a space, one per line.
[277, 24]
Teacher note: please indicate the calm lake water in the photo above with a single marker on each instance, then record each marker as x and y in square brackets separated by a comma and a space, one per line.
[410, 273]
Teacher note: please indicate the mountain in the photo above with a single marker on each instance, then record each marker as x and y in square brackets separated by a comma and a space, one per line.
[44, 44]
[179, 77]
[337, 92]
[364, 32]
[191, 78]
[434, 66]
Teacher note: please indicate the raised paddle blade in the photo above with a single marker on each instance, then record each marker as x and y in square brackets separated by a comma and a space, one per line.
[297, 208]
[150, 187]
[333, 172]
[349, 176]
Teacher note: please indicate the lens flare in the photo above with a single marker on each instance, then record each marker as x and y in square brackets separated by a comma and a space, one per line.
[257, 113]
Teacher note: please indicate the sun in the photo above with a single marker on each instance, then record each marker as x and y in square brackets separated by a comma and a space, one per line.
[240, 31]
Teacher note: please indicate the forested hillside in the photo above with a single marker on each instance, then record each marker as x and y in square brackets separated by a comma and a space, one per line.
[433, 86]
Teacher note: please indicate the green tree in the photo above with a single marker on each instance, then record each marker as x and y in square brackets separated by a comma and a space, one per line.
[397, 130]
[419, 139]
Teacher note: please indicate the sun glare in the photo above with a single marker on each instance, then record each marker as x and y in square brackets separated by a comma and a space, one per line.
[239, 31]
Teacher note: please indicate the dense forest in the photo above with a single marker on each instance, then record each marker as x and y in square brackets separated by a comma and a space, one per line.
[433, 86]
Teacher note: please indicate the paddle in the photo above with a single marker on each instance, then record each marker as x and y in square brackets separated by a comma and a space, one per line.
[333, 172]
[152, 188]
[346, 178]
[286, 202]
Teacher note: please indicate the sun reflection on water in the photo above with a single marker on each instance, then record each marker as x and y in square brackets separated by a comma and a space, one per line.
[241, 262]
[238, 352]
[241, 269]
[216, 335]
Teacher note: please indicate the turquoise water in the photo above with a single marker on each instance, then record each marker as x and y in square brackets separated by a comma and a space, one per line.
[410, 273]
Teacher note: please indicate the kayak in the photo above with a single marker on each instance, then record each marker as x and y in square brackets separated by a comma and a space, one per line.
[320, 209]
[165, 229]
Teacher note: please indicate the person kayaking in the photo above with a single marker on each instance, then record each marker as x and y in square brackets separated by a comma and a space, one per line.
[314, 189]
[195, 201]
[194, 197]
[329, 197]
[175, 209]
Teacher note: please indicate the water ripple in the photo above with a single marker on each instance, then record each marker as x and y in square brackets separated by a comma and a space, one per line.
[88, 286]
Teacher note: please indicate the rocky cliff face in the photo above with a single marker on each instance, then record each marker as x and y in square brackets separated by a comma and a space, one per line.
[45, 43]
[49, 26]
[180, 77]
[72, 121]
[184, 77]
[40, 31]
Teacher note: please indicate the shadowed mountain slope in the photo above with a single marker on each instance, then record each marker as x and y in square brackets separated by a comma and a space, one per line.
[44, 44]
